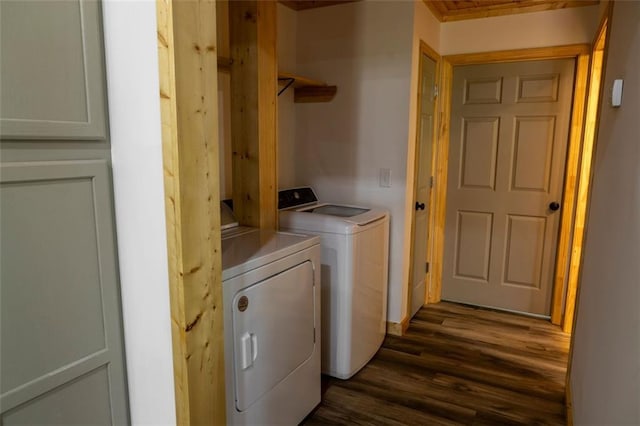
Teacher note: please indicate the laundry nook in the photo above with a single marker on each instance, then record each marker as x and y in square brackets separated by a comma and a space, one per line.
[319, 212]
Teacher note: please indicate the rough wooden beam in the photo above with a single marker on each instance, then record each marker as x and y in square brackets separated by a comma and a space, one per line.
[189, 112]
[254, 80]
[224, 63]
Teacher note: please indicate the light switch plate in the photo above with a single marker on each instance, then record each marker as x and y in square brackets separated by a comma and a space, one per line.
[616, 93]
[385, 178]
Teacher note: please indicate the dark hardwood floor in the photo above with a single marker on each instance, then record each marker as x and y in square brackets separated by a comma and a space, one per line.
[456, 365]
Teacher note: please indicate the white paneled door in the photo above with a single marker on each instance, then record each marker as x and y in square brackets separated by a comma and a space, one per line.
[509, 131]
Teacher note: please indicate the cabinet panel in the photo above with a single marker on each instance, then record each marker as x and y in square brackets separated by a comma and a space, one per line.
[52, 79]
[60, 314]
[84, 401]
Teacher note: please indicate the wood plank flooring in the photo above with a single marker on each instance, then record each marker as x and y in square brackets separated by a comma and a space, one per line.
[456, 365]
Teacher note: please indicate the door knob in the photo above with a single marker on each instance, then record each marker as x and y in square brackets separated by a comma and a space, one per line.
[553, 206]
[419, 206]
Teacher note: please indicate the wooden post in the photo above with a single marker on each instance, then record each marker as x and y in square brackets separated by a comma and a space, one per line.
[254, 77]
[189, 112]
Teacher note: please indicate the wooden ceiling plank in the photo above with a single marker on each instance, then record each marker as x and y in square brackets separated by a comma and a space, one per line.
[312, 4]
[449, 10]
[436, 8]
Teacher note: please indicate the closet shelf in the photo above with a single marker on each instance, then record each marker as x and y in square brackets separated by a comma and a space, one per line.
[306, 89]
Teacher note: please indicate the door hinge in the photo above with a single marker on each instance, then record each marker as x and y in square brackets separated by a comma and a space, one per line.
[435, 91]
[426, 268]
[314, 334]
[431, 182]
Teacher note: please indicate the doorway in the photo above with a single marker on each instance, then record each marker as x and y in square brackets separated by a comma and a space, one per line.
[423, 180]
[584, 180]
[581, 54]
[509, 132]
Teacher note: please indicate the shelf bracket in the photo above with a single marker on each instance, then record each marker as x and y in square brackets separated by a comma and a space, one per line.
[289, 81]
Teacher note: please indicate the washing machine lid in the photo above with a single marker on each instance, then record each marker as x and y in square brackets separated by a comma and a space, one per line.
[252, 248]
[300, 210]
[336, 210]
[331, 218]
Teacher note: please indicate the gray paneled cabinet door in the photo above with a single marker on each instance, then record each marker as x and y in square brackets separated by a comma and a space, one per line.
[52, 80]
[61, 351]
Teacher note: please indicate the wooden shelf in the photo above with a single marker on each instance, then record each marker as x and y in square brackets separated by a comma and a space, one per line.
[299, 81]
[307, 90]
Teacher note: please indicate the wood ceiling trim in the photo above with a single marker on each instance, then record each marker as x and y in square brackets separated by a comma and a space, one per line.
[436, 8]
[448, 10]
[311, 4]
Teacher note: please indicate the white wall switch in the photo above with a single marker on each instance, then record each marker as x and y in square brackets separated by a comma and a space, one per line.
[616, 93]
[385, 178]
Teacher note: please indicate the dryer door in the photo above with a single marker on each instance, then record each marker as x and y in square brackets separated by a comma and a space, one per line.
[273, 331]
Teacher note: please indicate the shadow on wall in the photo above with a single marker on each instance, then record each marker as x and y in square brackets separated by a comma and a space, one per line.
[326, 134]
[365, 50]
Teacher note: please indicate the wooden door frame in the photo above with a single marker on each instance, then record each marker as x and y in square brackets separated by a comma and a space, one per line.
[592, 108]
[423, 49]
[594, 104]
[581, 53]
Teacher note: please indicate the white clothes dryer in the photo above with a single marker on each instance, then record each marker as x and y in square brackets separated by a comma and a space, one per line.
[271, 296]
[355, 256]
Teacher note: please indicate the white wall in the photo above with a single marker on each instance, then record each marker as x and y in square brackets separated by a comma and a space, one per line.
[224, 134]
[287, 117]
[605, 374]
[134, 115]
[365, 49]
[549, 28]
[369, 49]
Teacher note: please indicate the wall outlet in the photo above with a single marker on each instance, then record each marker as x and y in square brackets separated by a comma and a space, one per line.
[385, 178]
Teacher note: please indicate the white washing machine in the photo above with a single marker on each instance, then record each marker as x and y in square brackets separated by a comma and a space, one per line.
[271, 296]
[354, 273]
